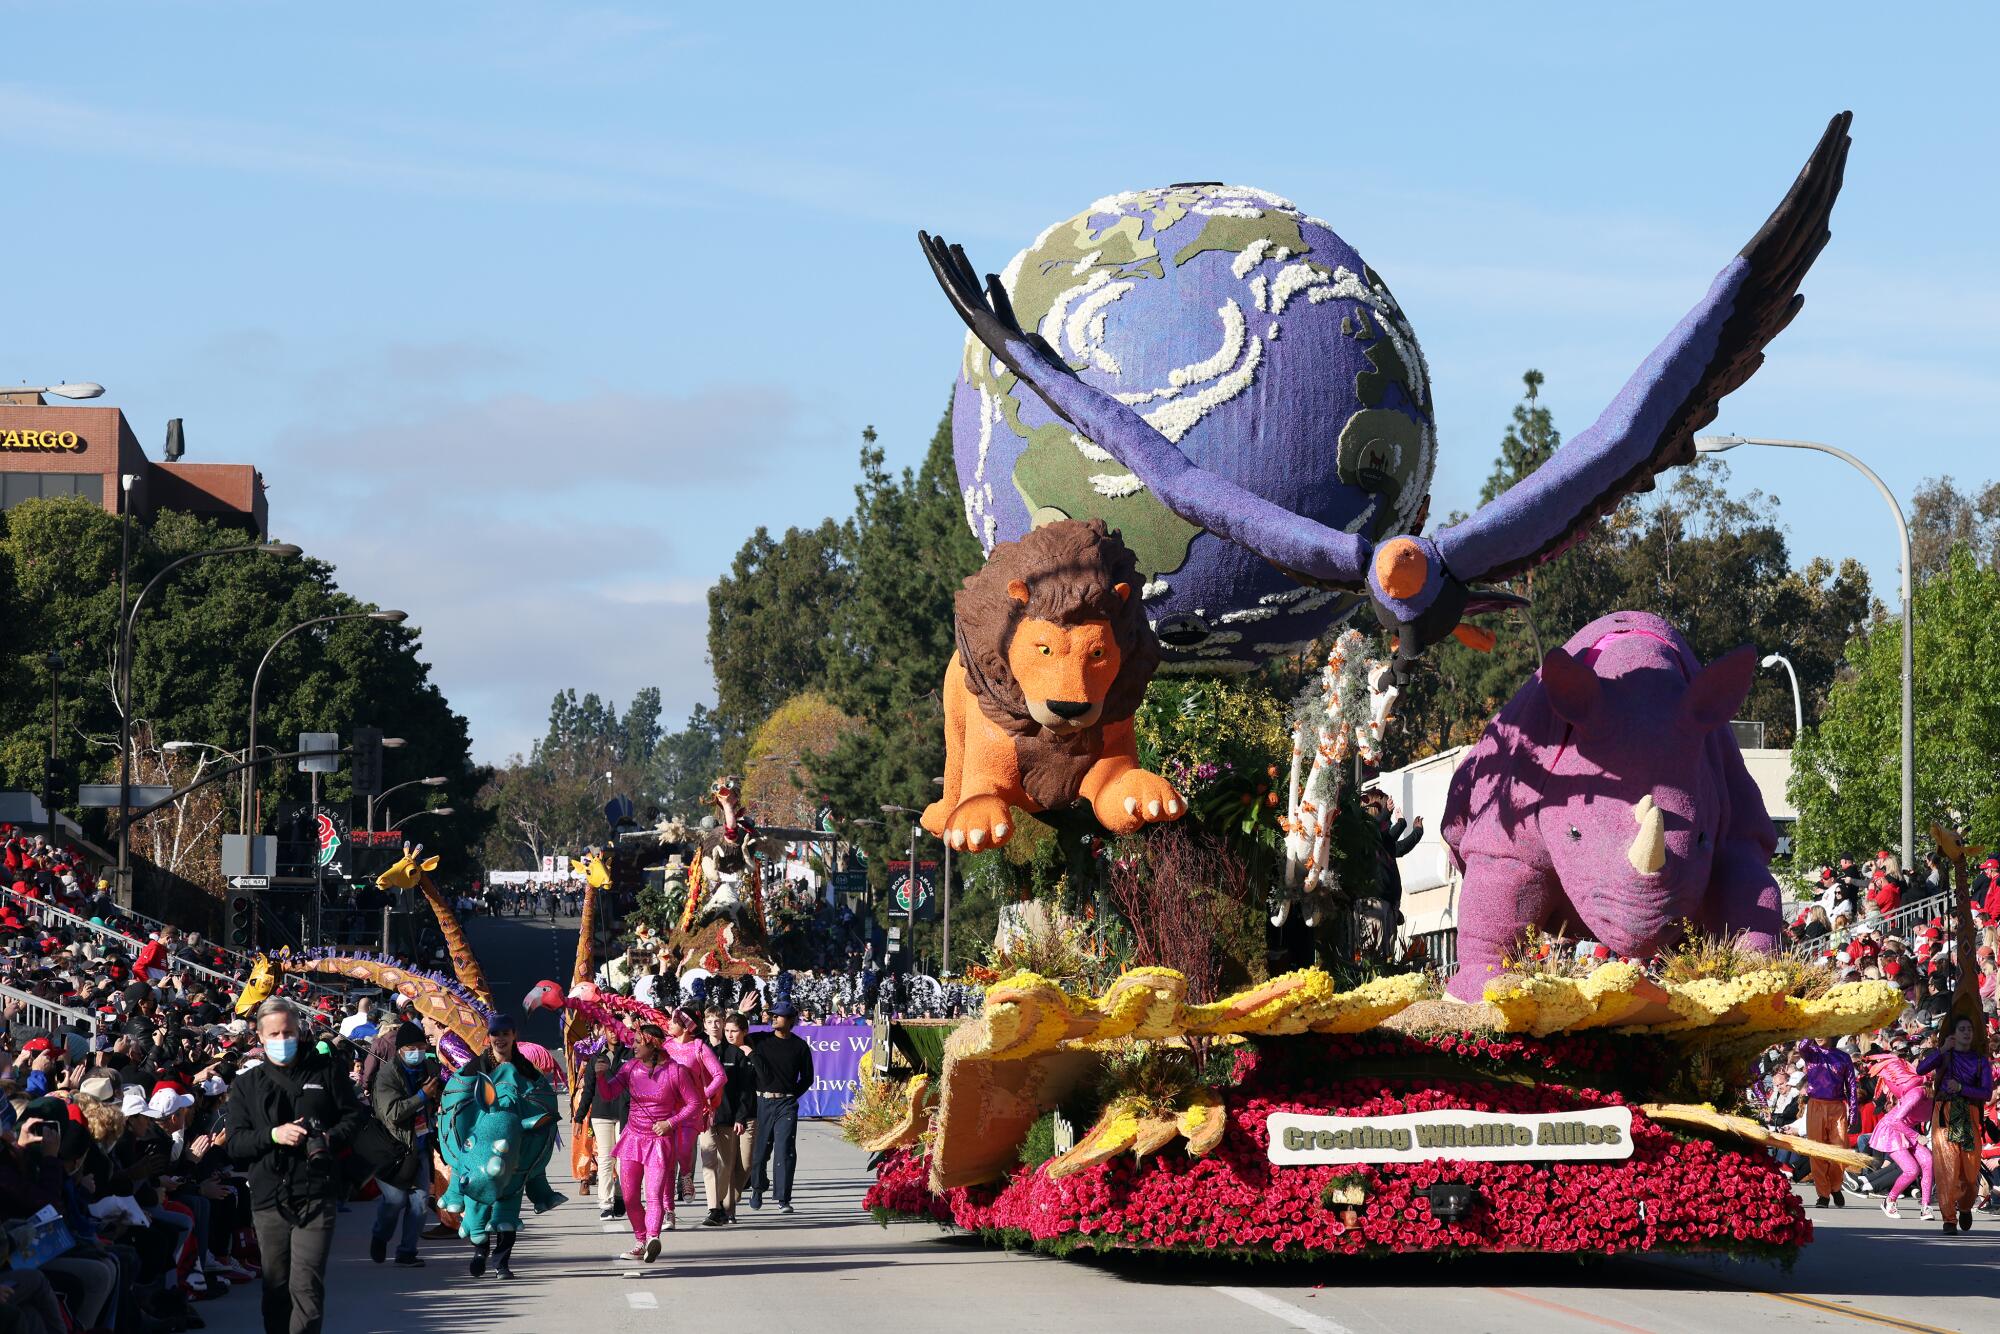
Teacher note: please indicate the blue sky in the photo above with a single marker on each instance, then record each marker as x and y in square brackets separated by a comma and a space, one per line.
[530, 313]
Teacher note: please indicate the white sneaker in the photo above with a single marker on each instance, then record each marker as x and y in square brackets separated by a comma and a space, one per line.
[636, 1253]
[1929, 1215]
[667, 1223]
[1889, 1208]
[651, 1252]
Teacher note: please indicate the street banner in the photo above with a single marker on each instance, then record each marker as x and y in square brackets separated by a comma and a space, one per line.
[837, 1050]
[899, 888]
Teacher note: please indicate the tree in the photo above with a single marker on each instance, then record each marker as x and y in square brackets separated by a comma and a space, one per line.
[781, 751]
[1846, 772]
[196, 646]
[770, 621]
[686, 762]
[1943, 517]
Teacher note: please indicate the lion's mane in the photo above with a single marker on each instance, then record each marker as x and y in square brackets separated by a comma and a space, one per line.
[1070, 568]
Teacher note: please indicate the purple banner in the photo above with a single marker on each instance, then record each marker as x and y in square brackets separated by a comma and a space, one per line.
[837, 1050]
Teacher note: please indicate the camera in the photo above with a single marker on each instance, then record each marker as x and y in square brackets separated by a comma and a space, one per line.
[317, 1146]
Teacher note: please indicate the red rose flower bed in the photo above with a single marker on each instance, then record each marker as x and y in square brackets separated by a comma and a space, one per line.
[1674, 1192]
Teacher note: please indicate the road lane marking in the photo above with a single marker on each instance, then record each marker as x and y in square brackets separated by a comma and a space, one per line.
[1572, 1311]
[1851, 1312]
[642, 1301]
[1295, 1316]
[1861, 1313]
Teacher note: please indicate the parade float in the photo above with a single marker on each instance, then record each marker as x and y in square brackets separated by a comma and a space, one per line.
[1158, 476]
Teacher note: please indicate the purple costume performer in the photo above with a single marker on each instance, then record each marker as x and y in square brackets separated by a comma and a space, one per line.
[1897, 1133]
[662, 1093]
[1960, 1089]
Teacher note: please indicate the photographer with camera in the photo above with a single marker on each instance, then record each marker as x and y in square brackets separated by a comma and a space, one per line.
[286, 1117]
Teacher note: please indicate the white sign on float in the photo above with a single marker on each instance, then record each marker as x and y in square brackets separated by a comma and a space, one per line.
[1593, 1134]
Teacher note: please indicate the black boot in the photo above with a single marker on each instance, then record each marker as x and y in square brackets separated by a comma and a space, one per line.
[503, 1251]
[480, 1251]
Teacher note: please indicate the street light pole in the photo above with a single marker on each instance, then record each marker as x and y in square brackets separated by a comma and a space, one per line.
[130, 618]
[1798, 704]
[433, 781]
[257, 681]
[1718, 444]
[55, 664]
[418, 815]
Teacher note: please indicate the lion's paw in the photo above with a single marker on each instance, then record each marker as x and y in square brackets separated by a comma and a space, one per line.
[1135, 799]
[979, 823]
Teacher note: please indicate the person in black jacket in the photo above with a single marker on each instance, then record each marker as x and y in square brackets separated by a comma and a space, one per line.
[784, 1068]
[725, 1157]
[404, 1098]
[606, 1118]
[286, 1119]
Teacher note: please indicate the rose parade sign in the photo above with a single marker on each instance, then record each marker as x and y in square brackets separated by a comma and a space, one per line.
[1487, 1137]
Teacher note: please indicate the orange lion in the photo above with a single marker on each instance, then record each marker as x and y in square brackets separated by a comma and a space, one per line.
[1054, 654]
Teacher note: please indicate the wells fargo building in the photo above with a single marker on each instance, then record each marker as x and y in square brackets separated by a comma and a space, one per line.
[83, 451]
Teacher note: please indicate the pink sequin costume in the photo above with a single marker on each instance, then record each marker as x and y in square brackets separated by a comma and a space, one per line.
[1896, 1134]
[665, 1092]
[705, 1072]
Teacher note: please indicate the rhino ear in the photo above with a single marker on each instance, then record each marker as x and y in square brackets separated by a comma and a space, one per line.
[1718, 690]
[1572, 688]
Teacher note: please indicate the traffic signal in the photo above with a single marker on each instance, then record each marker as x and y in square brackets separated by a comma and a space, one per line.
[242, 921]
[367, 772]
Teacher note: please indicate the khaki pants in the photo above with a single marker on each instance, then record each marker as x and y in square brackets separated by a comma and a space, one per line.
[725, 1167]
[606, 1134]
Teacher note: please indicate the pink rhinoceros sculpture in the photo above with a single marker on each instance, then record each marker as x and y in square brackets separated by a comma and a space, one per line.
[1609, 796]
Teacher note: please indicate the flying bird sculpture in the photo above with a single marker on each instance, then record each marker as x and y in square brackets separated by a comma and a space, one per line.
[1422, 586]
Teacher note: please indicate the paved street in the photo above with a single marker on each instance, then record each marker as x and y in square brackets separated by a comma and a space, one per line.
[832, 1268]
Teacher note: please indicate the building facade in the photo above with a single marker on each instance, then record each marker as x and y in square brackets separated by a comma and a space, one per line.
[84, 451]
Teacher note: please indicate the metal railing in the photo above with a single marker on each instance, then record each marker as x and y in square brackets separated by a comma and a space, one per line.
[46, 1014]
[1906, 917]
[49, 914]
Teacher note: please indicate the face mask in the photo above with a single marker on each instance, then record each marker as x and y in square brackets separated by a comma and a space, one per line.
[413, 1057]
[281, 1050]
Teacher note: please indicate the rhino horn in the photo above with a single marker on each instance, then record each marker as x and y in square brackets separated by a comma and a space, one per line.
[1648, 852]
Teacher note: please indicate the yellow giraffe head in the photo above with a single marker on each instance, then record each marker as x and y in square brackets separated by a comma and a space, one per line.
[263, 982]
[408, 871]
[592, 868]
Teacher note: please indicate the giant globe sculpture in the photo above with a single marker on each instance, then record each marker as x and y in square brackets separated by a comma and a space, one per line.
[1257, 341]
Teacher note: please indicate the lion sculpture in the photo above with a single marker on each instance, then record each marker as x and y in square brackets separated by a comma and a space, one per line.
[1054, 653]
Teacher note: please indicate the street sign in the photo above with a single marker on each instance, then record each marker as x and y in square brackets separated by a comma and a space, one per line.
[249, 882]
[105, 795]
[319, 741]
[249, 854]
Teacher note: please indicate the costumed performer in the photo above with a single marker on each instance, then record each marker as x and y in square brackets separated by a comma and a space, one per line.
[519, 1099]
[1896, 1133]
[1830, 1108]
[685, 1043]
[664, 1103]
[1961, 1085]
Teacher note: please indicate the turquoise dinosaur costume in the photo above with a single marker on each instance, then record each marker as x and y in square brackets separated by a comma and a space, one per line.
[497, 1132]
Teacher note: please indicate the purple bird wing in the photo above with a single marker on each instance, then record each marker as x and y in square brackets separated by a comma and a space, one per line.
[1302, 547]
[1651, 425]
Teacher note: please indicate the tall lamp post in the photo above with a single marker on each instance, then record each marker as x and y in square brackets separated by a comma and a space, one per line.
[418, 815]
[427, 782]
[1798, 704]
[55, 666]
[1720, 444]
[130, 616]
[256, 681]
[915, 829]
[944, 897]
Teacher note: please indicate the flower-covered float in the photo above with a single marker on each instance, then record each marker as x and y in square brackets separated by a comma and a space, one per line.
[1296, 1119]
[1523, 1106]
